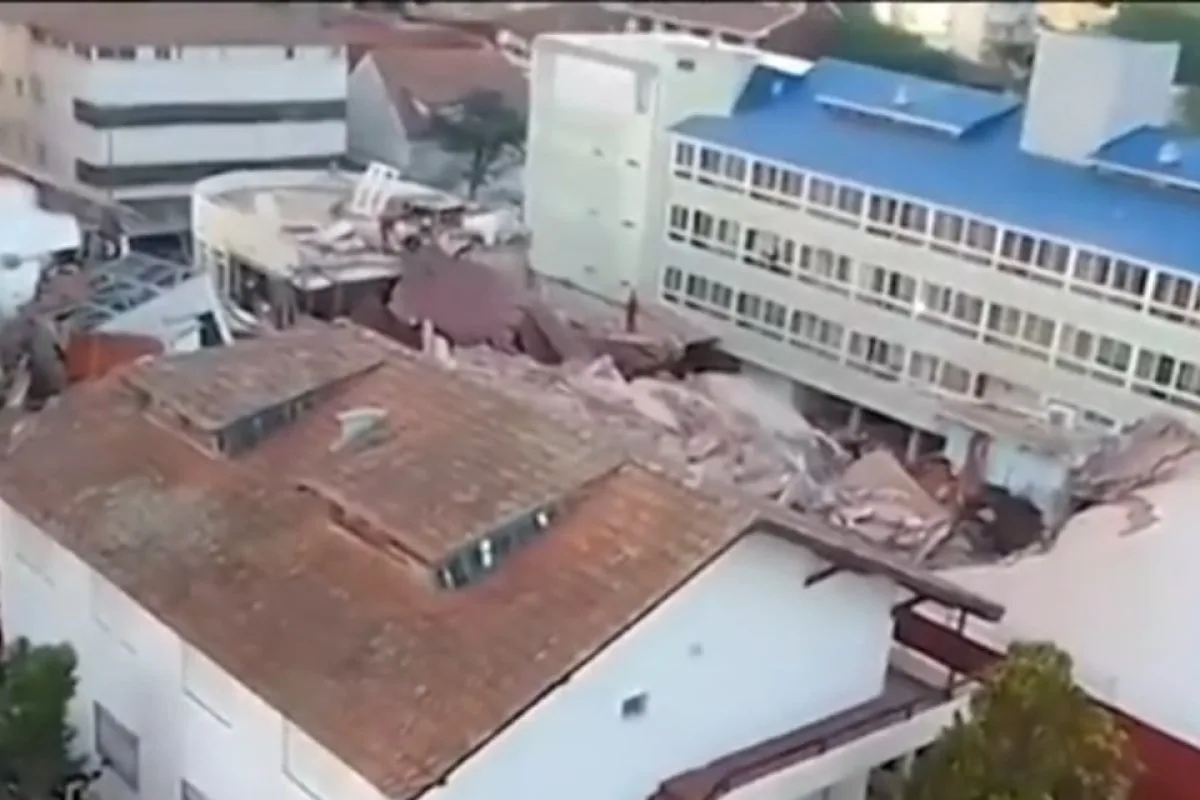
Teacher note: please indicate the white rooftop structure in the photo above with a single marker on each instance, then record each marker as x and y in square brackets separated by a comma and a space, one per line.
[1117, 599]
[313, 228]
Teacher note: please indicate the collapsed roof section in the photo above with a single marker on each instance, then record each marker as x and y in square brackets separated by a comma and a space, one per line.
[576, 543]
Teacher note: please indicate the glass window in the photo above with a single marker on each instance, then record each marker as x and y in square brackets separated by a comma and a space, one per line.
[821, 192]
[948, 227]
[118, 745]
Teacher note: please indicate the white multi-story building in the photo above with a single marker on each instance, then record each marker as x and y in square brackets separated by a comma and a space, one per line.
[316, 565]
[971, 30]
[882, 238]
[142, 100]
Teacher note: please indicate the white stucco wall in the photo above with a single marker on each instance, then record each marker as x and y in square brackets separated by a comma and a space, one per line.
[54, 139]
[743, 652]
[374, 131]
[192, 719]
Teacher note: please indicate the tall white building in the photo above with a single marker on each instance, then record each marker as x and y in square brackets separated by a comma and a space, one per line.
[317, 566]
[142, 100]
[882, 238]
[971, 30]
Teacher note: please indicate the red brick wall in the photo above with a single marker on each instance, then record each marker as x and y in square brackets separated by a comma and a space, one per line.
[1171, 769]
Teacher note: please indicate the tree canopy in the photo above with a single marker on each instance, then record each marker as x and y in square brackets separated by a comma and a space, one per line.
[484, 128]
[37, 684]
[864, 39]
[1032, 734]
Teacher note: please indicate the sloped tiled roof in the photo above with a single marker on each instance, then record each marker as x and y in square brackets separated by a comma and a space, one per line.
[242, 557]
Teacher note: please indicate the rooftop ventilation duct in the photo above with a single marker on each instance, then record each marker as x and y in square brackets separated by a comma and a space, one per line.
[1169, 154]
[359, 426]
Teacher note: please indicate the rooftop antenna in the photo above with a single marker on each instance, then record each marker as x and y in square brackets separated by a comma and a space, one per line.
[359, 426]
[901, 97]
[1169, 154]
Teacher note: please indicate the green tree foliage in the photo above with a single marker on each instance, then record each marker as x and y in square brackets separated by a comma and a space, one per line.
[484, 128]
[1164, 22]
[37, 684]
[864, 39]
[1032, 735]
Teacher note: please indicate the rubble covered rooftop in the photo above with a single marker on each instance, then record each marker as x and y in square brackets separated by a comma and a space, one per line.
[337, 226]
[247, 552]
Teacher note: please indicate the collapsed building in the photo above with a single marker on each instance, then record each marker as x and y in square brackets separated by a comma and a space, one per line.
[427, 269]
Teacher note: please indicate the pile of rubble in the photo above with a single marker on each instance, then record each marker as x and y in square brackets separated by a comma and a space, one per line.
[621, 371]
[693, 423]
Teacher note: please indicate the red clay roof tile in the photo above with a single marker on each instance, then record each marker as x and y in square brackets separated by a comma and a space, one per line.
[247, 568]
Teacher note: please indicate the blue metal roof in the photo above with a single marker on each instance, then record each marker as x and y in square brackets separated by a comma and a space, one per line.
[1154, 153]
[983, 171]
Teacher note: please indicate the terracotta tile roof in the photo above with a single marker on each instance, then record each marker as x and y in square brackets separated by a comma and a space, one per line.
[371, 31]
[121, 24]
[441, 76]
[561, 18]
[748, 19]
[213, 388]
[250, 568]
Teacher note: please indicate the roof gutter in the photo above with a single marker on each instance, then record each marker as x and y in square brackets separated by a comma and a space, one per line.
[831, 545]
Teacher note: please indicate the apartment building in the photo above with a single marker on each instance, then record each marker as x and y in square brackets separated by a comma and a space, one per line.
[885, 239]
[974, 31]
[319, 566]
[140, 101]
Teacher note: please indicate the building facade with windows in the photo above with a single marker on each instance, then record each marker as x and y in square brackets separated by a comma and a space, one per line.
[892, 241]
[269, 598]
[140, 102]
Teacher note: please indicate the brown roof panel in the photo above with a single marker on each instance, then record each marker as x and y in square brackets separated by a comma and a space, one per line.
[122, 24]
[455, 463]
[250, 569]
[438, 76]
[213, 388]
[744, 18]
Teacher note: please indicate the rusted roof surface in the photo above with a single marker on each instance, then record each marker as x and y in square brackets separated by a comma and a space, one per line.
[455, 462]
[902, 696]
[213, 388]
[438, 76]
[247, 568]
[744, 18]
[561, 18]
[147, 24]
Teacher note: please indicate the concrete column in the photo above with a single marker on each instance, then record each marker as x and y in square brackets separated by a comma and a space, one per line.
[855, 423]
[913, 448]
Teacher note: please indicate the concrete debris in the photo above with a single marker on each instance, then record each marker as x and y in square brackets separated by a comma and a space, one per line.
[1143, 453]
[674, 421]
[877, 497]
